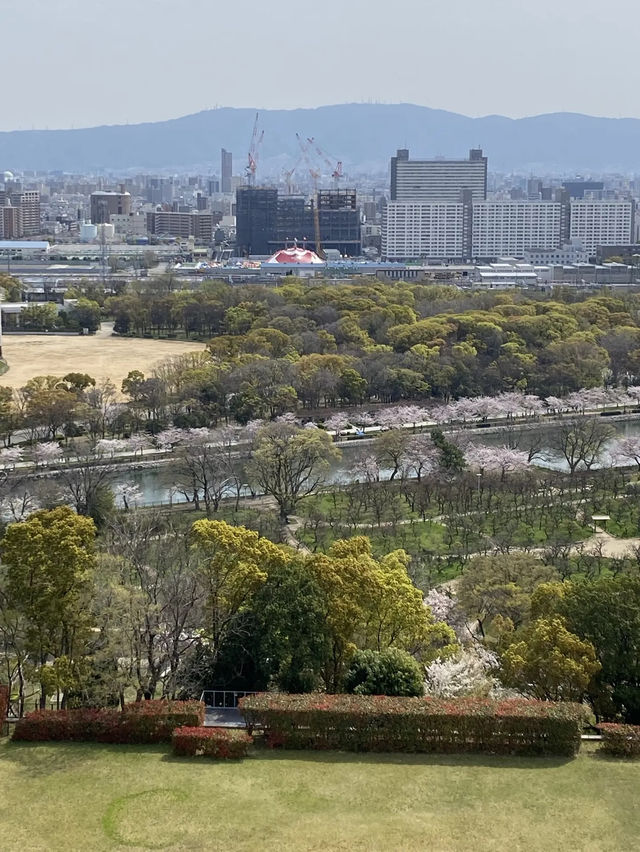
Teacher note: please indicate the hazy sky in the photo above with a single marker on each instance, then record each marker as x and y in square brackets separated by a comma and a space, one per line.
[85, 62]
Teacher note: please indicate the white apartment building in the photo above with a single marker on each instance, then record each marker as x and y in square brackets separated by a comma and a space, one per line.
[412, 231]
[602, 223]
[511, 227]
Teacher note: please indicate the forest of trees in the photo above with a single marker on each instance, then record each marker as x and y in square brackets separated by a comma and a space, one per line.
[311, 343]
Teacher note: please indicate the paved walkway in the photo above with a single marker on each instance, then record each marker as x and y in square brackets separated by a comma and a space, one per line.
[223, 717]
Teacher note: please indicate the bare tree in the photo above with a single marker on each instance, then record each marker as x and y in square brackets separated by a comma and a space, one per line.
[581, 441]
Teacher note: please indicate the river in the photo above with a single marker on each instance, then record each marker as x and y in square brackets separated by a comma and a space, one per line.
[157, 485]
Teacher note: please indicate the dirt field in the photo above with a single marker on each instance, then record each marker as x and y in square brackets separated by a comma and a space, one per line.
[100, 355]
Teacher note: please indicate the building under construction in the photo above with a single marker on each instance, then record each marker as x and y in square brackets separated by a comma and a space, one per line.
[267, 221]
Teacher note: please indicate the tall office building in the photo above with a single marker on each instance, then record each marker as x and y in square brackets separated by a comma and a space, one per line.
[438, 180]
[103, 204]
[256, 219]
[226, 170]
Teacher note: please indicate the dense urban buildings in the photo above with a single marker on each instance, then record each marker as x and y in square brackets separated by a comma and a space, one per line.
[439, 211]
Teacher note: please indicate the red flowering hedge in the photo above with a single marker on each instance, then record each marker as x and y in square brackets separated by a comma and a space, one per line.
[226, 743]
[620, 740]
[142, 722]
[4, 704]
[382, 723]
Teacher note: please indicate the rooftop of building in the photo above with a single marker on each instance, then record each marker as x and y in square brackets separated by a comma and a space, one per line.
[14, 245]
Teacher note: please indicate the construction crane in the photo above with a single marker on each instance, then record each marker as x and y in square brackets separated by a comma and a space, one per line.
[254, 150]
[335, 166]
[288, 174]
[315, 174]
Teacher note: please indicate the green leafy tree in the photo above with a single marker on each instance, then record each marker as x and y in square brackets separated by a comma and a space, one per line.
[234, 564]
[389, 672]
[49, 561]
[606, 612]
[451, 457]
[548, 662]
[501, 585]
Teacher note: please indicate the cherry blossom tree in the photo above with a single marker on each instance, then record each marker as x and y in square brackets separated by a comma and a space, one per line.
[137, 444]
[444, 607]
[420, 456]
[10, 456]
[366, 469]
[45, 453]
[504, 459]
[468, 673]
[128, 493]
[337, 423]
[110, 446]
[170, 438]
[627, 450]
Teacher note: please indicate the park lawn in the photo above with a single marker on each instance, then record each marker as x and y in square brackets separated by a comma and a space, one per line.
[59, 796]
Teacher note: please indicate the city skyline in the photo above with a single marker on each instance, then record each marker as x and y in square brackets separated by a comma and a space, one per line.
[471, 59]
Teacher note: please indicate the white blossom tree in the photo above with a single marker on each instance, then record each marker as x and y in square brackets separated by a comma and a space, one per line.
[10, 456]
[45, 453]
[468, 673]
[627, 450]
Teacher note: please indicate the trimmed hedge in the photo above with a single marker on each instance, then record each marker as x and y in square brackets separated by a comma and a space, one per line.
[620, 740]
[225, 743]
[383, 723]
[142, 722]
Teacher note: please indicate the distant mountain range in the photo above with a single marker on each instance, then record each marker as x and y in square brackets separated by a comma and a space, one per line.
[363, 136]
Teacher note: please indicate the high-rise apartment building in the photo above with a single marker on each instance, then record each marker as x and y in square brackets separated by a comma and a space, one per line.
[28, 201]
[10, 222]
[509, 228]
[20, 213]
[103, 204]
[602, 223]
[226, 170]
[438, 180]
[430, 231]
[183, 225]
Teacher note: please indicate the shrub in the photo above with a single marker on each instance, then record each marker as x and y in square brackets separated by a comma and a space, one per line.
[381, 723]
[225, 743]
[142, 722]
[390, 672]
[620, 740]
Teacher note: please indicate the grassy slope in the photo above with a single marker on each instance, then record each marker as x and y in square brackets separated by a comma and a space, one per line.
[93, 797]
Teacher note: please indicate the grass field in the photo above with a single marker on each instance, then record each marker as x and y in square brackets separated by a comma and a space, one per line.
[100, 355]
[93, 797]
